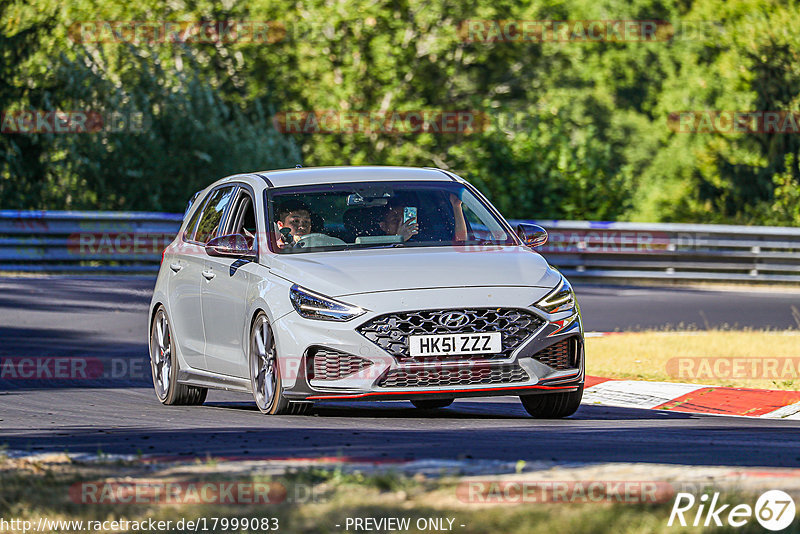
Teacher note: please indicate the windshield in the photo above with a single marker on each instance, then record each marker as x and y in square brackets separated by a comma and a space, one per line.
[326, 217]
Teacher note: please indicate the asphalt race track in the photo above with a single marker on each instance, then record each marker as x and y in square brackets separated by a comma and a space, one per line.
[105, 319]
[132, 422]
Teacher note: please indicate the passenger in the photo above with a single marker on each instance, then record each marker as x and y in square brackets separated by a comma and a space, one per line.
[296, 216]
[392, 222]
[458, 215]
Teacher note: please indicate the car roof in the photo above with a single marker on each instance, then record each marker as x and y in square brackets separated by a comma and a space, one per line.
[331, 175]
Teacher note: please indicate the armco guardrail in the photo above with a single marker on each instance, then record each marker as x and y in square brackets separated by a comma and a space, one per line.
[131, 242]
[708, 252]
[84, 241]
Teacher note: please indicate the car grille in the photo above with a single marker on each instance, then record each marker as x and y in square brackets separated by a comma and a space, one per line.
[560, 355]
[458, 376]
[391, 331]
[330, 364]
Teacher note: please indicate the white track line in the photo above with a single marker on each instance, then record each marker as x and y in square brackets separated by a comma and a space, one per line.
[792, 411]
[636, 394]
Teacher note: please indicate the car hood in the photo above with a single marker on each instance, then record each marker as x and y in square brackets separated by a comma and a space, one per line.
[352, 272]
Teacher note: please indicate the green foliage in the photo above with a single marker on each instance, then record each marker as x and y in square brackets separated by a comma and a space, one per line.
[747, 60]
[785, 208]
[574, 130]
[163, 131]
[189, 137]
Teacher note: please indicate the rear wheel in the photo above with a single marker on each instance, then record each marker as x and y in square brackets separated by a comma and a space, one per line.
[265, 374]
[164, 366]
[553, 405]
[432, 404]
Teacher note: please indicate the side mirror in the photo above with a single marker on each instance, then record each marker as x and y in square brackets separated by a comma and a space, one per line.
[532, 235]
[230, 246]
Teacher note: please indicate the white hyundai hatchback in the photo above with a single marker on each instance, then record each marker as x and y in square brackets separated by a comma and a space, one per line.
[361, 283]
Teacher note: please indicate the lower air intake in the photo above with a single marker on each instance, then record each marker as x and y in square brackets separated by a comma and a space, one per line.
[330, 364]
[461, 376]
[560, 355]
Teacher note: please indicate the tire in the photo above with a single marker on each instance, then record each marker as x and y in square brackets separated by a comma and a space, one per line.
[265, 373]
[165, 366]
[431, 404]
[553, 405]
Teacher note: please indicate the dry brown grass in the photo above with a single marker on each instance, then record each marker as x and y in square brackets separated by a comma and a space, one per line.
[648, 355]
[33, 490]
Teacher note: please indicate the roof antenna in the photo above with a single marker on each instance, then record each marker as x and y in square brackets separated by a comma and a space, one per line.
[298, 166]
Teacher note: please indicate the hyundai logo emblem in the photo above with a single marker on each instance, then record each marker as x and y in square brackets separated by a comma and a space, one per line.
[454, 319]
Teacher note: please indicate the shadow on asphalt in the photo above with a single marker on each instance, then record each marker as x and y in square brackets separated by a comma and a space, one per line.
[461, 409]
[594, 434]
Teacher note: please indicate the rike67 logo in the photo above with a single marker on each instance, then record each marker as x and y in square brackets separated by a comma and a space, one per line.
[774, 510]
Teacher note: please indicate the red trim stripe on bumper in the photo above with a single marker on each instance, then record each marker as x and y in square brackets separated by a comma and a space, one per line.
[382, 393]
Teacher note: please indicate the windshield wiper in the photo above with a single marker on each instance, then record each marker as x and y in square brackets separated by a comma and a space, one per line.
[372, 245]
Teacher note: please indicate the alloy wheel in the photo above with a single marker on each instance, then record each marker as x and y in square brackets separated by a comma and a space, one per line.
[161, 353]
[263, 364]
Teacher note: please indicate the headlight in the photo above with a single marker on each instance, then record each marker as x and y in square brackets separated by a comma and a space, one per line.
[561, 299]
[315, 306]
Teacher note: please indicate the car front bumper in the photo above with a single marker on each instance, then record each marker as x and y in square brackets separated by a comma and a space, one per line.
[373, 373]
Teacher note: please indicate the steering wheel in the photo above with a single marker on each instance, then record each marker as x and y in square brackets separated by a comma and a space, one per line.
[318, 240]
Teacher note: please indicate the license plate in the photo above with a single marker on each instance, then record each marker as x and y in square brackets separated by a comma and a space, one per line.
[455, 344]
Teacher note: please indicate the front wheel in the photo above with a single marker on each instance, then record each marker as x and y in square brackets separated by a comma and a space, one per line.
[265, 372]
[164, 366]
[553, 405]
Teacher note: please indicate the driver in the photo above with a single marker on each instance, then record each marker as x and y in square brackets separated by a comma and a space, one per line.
[296, 216]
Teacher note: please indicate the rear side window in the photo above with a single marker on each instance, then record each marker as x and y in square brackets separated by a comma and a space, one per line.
[212, 214]
[190, 204]
[189, 231]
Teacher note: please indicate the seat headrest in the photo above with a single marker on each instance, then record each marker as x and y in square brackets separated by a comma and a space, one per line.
[364, 221]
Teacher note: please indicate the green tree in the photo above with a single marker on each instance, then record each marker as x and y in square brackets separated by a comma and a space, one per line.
[747, 61]
[574, 129]
[168, 129]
